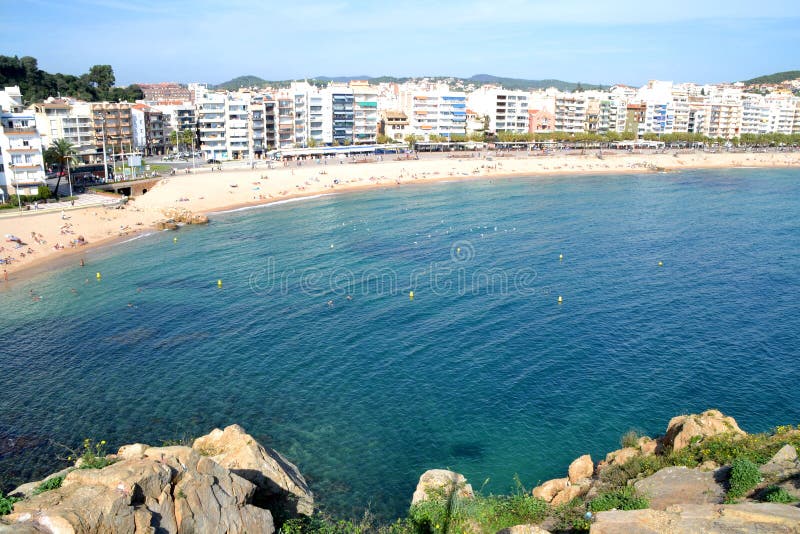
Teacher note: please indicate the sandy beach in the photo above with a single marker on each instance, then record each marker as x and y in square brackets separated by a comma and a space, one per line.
[56, 235]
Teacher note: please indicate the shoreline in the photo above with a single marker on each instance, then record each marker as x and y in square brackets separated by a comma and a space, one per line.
[222, 193]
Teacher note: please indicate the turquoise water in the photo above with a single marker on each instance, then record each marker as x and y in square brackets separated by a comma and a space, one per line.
[482, 372]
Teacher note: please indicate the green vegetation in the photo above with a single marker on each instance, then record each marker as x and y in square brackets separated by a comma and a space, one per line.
[630, 439]
[619, 499]
[93, 455]
[7, 504]
[36, 85]
[49, 484]
[778, 77]
[777, 494]
[744, 477]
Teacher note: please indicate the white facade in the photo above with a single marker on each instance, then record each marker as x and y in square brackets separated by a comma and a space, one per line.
[21, 159]
[438, 112]
[507, 110]
[65, 119]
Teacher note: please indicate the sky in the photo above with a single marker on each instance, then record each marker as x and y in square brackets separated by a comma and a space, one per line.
[589, 41]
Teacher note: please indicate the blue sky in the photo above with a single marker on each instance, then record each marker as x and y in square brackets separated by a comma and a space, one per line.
[575, 40]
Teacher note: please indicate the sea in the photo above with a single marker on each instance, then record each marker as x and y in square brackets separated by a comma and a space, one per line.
[549, 316]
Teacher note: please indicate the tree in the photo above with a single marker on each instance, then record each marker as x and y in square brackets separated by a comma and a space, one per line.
[411, 139]
[62, 153]
[102, 77]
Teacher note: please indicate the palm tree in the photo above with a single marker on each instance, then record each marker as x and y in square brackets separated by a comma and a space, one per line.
[61, 152]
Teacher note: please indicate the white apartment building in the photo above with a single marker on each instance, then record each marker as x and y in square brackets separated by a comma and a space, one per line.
[237, 126]
[365, 113]
[570, 112]
[65, 119]
[507, 110]
[21, 159]
[211, 125]
[438, 112]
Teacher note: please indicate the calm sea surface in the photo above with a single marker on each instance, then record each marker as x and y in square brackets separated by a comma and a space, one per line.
[482, 372]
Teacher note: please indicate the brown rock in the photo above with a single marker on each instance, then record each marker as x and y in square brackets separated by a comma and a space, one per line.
[683, 428]
[278, 481]
[580, 468]
[691, 519]
[782, 465]
[567, 494]
[647, 446]
[550, 489]
[199, 218]
[681, 485]
[621, 456]
[441, 480]
[135, 450]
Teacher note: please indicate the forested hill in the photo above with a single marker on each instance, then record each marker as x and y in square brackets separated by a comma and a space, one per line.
[36, 85]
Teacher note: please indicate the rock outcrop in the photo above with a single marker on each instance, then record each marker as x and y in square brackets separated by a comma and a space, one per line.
[694, 518]
[562, 490]
[686, 429]
[581, 468]
[277, 480]
[449, 483]
[676, 485]
[171, 490]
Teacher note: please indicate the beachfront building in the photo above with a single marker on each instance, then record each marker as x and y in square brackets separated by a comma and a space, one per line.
[150, 130]
[237, 126]
[394, 125]
[21, 161]
[570, 112]
[365, 113]
[58, 118]
[211, 125]
[112, 128]
[343, 121]
[541, 121]
[507, 110]
[435, 112]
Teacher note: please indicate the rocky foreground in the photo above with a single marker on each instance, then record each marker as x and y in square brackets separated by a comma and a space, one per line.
[227, 482]
[224, 482]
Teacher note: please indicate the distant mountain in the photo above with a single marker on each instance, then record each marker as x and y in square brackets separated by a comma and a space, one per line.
[242, 81]
[778, 77]
[477, 80]
[519, 83]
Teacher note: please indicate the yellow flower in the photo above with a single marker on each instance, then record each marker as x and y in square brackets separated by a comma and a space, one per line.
[103, 442]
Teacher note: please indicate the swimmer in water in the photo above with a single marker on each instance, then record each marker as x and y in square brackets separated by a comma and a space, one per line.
[349, 297]
[330, 304]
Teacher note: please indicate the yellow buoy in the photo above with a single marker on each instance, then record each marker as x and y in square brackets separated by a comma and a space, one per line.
[560, 257]
[458, 250]
[560, 300]
[661, 264]
[174, 239]
[331, 245]
[410, 295]
[98, 276]
[219, 283]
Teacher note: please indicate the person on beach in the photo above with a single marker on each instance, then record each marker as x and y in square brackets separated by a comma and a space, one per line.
[5, 275]
[83, 264]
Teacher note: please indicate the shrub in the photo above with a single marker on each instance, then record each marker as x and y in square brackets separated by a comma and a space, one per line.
[7, 504]
[777, 494]
[571, 517]
[93, 455]
[621, 499]
[744, 477]
[49, 484]
[630, 439]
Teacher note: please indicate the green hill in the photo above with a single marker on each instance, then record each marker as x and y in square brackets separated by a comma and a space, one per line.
[778, 77]
[242, 81]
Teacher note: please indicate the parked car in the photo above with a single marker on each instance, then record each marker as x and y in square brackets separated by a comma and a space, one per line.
[213, 162]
